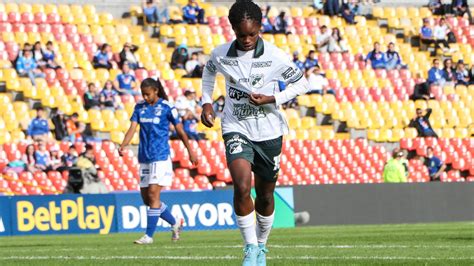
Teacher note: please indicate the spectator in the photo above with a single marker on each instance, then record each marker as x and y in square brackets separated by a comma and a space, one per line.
[462, 75]
[179, 57]
[471, 75]
[449, 72]
[86, 164]
[103, 58]
[421, 92]
[394, 171]
[376, 58]
[29, 159]
[219, 105]
[404, 162]
[26, 46]
[281, 24]
[42, 157]
[435, 166]
[153, 14]
[190, 126]
[426, 34]
[336, 43]
[192, 63]
[322, 41]
[187, 102]
[267, 26]
[436, 74]
[297, 61]
[318, 6]
[39, 128]
[91, 97]
[75, 128]
[318, 83]
[348, 12]
[26, 66]
[461, 8]
[55, 162]
[392, 58]
[59, 122]
[128, 55]
[332, 7]
[38, 55]
[49, 56]
[69, 159]
[125, 82]
[440, 35]
[422, 123]
[436, 7]
[311, 60]
[109, 96]
[192, 13]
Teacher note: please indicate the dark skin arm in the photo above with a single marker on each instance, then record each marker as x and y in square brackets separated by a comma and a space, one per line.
[184, 138]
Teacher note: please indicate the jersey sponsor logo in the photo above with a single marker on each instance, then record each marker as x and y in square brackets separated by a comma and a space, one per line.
[229, 62]
[211, 67]
[262, 64]
[290, 72]
[154, 120]
[247, 111]
[236, 138]
[256, 80]
[237, 94]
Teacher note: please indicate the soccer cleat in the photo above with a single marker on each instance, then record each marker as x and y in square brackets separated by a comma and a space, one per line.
[250, 257]
[262, 257]
[144, 240]
[176, 230]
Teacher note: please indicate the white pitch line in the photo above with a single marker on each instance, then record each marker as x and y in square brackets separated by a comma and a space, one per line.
[228, 258]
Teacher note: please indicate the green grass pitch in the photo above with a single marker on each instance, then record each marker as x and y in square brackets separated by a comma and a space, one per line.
[415, 244]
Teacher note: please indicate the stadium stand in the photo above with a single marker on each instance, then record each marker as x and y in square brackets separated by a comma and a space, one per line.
[373, 101]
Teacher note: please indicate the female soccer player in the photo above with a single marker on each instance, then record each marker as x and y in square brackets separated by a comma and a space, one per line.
[252, 124]
[154, 116]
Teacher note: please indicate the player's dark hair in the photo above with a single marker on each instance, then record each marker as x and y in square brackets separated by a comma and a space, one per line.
[244, 10]
[156, 85]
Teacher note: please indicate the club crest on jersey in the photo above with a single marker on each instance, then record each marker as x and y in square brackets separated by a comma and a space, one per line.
[256, 80]
[235, 148]
[158, 110]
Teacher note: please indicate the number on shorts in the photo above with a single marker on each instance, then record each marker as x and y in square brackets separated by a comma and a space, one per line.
[276, 161]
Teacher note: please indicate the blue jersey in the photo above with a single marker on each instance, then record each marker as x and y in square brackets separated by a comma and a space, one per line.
[154, 121]
[38, 126]
[433, 164]
[125, 81]
[42, 158]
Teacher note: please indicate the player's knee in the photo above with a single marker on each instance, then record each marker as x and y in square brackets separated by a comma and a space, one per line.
[241, 191]
[265, 199]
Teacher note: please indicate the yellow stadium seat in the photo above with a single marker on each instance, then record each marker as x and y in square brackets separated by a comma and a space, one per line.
[11, 7]
[105, 18]
[327, 134]
[116, 136]
[302, 134]
[377, 12]
[89, 9]
[222, 11]
[4, 137]
[25, 8]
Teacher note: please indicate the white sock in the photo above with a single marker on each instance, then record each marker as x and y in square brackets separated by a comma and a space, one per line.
[264, 226]
[247, 228]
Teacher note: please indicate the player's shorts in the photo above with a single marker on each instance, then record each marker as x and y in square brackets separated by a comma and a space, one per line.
[263, 155]
[156, 173]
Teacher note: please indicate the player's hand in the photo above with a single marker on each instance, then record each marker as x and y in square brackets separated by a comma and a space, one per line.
[208, 115]
[193, 158]
[121, 149]
[260, 99]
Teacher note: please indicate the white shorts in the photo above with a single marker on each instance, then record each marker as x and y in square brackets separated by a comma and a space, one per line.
[156, 173]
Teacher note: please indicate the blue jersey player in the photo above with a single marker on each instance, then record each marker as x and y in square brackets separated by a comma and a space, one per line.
[154, 116]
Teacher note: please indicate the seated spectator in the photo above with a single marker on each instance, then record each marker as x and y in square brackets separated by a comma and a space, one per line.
[26, 66]
[311, 60]
[42, 157]
[69, 159]
[56, 162]
[322, 40]
[103, 58]
[435, 166]
[281, 24]
[218, 106]
[190, 122]
[75, 128]
[336, 43]
[38, 55]
[331, 7]
[192, 13]
[422, 123]
[86, 163]
[128, 55]
[461, 8]
[49, 56]
[91, 97]
[29, 159]
[267, 26]
[441, 35]
[471, 75]
[318, 83]
[394, 170]
[187, 103]
[392, 58]
[376, 58]
[449, 71]
[192, 63]
[153, 14]
[422, 91]
[436, 74]
[297, 61]
[125, 82]
[26, 46]
[38, 128]
[348, 12]
[179, 57]
[109, 96]
[426, 34]
[436, 7]
[462, 75]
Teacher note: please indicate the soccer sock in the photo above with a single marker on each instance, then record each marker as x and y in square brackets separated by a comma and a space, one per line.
[264, 226]
[166, 214]
[247, 228]
[153, 214]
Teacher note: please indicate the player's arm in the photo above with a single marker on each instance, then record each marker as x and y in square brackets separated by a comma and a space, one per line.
[128, 136]
[173, 117]
[208, 81]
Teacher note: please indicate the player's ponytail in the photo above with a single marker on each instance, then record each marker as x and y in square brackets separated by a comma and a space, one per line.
[156, 85]
[243, 10]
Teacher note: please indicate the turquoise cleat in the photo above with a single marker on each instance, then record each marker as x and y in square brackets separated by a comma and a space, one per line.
[262, 255]
[251, 253]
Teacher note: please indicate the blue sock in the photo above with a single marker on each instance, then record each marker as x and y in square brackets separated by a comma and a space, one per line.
[166, 214]
[151, 220]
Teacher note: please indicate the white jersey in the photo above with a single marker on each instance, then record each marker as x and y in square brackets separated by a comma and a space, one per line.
[256, 71]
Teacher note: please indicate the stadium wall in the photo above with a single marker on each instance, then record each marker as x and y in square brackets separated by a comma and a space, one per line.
[386, 203]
